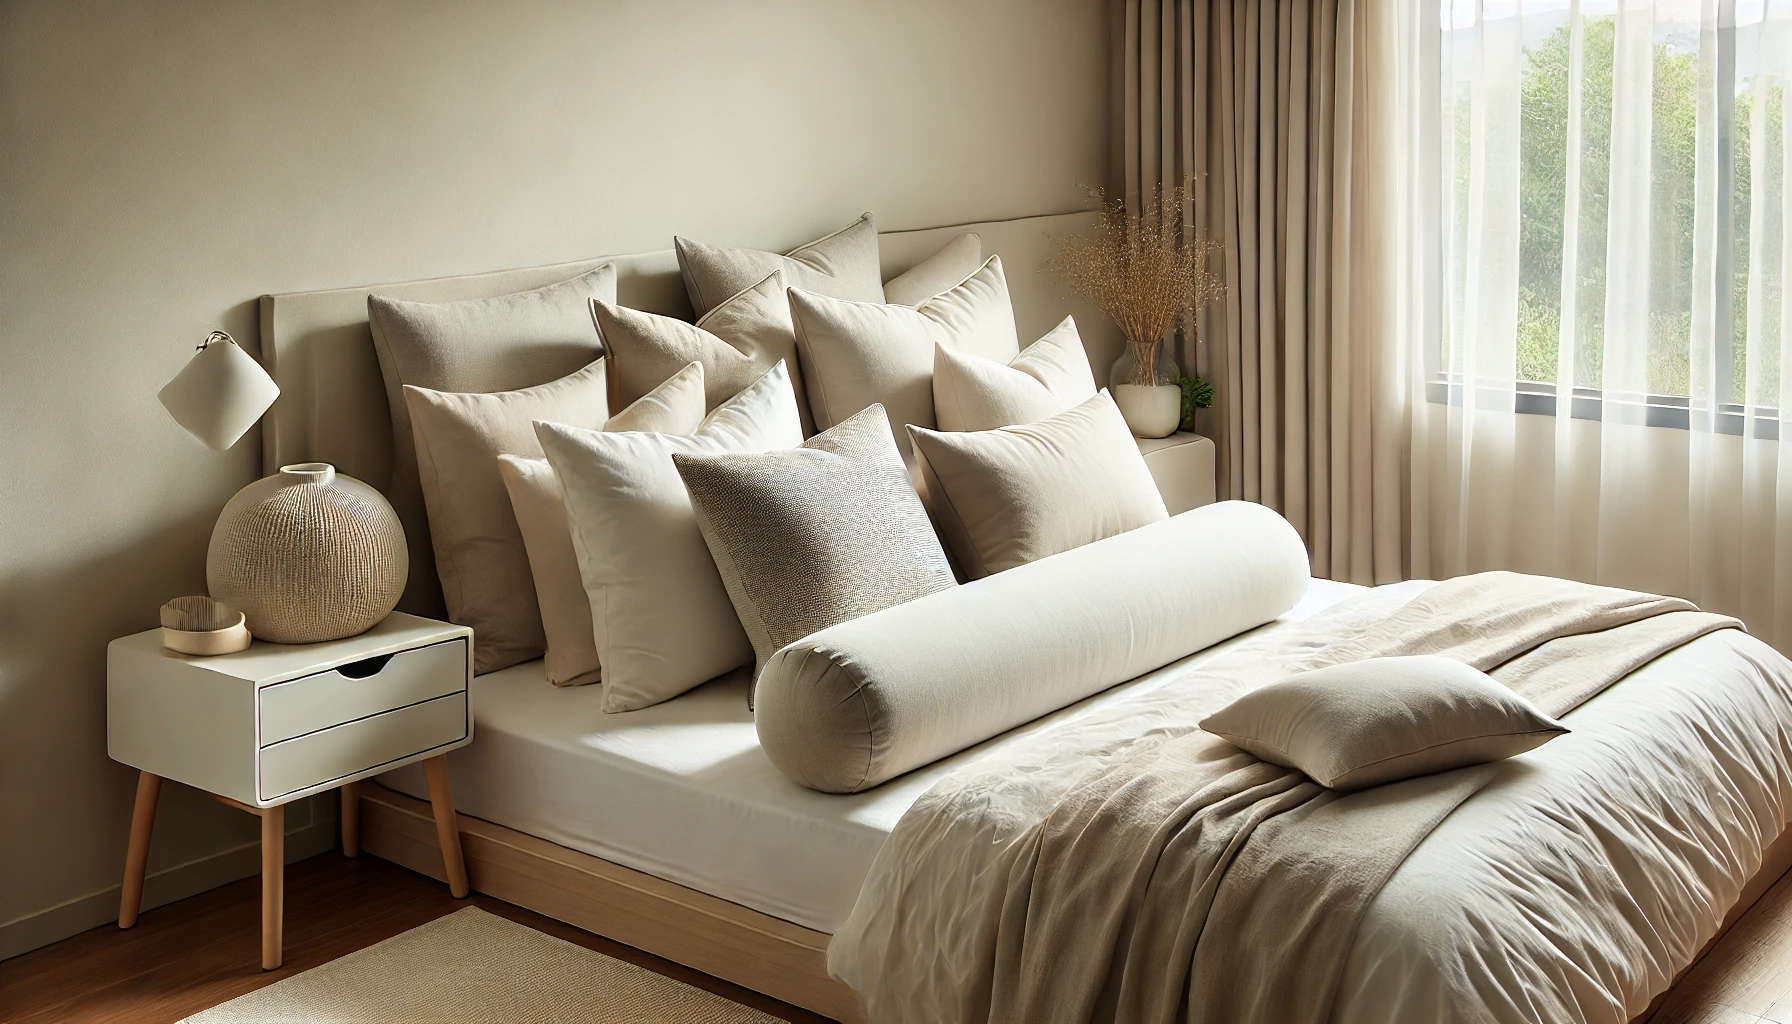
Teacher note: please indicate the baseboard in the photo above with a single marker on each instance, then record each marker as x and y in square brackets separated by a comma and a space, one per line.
[53, 924]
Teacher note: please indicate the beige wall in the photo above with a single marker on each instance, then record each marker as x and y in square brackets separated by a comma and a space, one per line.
[161, 165]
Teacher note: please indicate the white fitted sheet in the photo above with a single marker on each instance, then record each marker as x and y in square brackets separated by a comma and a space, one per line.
[682, 791]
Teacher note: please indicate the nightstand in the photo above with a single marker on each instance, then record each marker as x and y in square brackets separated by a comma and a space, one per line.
[265, 726]
[1182, 465]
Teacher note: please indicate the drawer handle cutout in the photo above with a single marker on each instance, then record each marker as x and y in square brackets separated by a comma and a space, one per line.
[365, 667]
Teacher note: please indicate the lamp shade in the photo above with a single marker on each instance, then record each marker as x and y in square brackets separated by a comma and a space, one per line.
[220, 393]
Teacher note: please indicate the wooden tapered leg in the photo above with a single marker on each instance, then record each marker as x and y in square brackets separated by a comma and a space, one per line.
[441, 801]
[273, 889]
[136, 856]
[351, 819]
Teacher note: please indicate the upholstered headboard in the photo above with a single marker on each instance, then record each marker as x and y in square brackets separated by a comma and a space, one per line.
[332, 405]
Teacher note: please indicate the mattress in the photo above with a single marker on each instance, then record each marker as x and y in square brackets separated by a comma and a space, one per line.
[682, 791]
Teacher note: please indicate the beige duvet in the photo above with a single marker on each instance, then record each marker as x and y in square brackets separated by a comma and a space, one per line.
[1575, 899]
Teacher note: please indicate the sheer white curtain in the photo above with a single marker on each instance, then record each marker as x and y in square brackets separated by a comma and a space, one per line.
[1593, 230]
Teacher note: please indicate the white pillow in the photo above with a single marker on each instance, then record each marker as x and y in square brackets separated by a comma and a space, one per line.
[1049, 377]
[660, 616]
[844, 264]
[956, 260]
[858, 354]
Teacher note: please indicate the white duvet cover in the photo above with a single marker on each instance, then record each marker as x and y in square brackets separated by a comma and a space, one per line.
[1572, 888]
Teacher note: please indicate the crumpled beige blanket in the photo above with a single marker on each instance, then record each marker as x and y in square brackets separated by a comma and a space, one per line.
[1186, 880]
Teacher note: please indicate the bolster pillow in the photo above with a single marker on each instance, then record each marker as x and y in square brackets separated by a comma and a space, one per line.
[861, 702]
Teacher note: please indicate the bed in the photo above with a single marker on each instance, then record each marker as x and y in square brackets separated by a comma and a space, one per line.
[668, 828]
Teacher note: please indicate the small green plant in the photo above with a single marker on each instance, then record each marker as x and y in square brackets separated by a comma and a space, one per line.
[1197, 393]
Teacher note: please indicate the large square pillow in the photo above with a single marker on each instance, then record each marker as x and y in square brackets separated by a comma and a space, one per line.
[1014, 495]
[811, 536]
[500, 343]
[1048, 377]
[675, 407]
[956, 260]
[479, 553]
[1369, 722]
[660, 614]
[843, 264]
[858, 354]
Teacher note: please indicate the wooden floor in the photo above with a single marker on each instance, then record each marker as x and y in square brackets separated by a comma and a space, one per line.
[1748, 977]
[187, 956]
[194, 954]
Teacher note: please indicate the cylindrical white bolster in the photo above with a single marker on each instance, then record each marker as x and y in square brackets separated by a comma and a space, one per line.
[864, 701]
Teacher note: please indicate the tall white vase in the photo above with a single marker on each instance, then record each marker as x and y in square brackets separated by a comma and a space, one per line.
[1151, 410]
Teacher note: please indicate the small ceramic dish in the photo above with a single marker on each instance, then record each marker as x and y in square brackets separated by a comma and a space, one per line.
[204, 627]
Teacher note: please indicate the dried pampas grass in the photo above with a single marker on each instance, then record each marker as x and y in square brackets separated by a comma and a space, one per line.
[1146, 268]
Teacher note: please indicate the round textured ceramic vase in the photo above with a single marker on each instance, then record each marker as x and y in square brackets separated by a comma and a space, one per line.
[308, 555]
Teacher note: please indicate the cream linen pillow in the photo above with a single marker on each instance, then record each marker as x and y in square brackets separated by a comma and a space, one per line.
[843, 264]
[857, 354]
[1048, 377]
[1368, 722]
[811, 536]
[675, 407]
[479, 553]
[1014, 495]
[500, 343]
[660, 615]
[737, 342]
[956, 260]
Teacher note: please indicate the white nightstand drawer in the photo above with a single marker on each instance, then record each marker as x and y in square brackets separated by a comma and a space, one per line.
[341, 751]
[359, 689]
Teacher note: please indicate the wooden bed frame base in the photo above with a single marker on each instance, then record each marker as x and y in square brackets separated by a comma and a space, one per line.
[720, 938]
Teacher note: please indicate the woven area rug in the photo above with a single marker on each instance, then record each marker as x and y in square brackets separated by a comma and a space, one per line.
[472, 967]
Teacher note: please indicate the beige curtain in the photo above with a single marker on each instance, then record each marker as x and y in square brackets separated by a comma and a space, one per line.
[1279, 108]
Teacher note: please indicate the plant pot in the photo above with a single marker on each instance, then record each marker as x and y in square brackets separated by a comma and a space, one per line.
[1150, 410]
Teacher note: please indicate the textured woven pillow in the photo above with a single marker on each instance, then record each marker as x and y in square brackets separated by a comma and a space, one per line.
[843, 264]
[660, 615]
[816, 535]
[500, 343]
[1010, 496]
[956, 260]
[737, 342]
[1368, 722]
[858, 354]
[1048, 377]
[479, 552]
[675, 407]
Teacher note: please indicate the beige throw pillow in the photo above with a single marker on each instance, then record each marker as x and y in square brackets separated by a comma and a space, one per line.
[858, 354]
[660, 615]
[737, 342]
[479, 552]
[675, 407]
[1048, 377]
[500, 343]
[843, 264]
[956, 260]
[1014, 495]
[1368, 722]
[811, 536]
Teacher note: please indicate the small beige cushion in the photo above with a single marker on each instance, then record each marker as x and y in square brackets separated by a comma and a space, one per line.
[811, 536]
[843, 264]
[660, 615]
[1368, 722]
[737, 342]
[1014, 495]
[500, 343]
[1048, 377]
[956, 260]
[675, 407]
[479, 551]
[858, 354]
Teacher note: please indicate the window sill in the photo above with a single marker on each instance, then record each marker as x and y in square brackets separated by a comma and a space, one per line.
[1528, 398]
